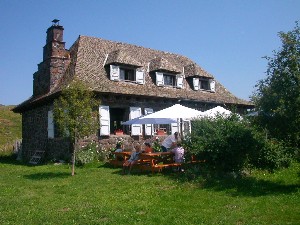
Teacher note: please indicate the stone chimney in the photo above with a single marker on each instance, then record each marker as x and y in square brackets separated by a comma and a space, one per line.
[55, 61]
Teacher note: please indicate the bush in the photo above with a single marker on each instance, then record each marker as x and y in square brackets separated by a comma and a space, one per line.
[232, 145]
[270, 154]
[224, 143]
[92, 152]
[86, 154]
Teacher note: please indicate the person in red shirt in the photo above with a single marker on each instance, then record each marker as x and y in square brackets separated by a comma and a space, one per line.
[148, 148]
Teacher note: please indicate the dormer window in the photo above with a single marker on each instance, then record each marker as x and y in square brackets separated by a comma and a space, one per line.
[203, 84]
[167, 79]
[129, 74]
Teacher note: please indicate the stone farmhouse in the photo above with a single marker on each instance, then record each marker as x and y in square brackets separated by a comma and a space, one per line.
[130, 81]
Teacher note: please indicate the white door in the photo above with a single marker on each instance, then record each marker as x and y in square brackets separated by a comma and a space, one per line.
[148, 127]
[104, 120]
[136, 129]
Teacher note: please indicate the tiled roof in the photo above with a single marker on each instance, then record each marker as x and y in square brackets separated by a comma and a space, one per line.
[90, 59]
[90, 67]
[194, 70]
[121, 57]
[161, 64]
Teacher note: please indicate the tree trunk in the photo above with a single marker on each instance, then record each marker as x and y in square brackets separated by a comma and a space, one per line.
[75, 145]
[73, 160]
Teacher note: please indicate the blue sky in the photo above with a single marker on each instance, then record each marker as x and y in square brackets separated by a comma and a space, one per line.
[228, 38]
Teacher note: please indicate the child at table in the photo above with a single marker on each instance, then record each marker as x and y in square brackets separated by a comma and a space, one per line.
[133, 159]
[148, 148]
[179, 153]
[119, 147]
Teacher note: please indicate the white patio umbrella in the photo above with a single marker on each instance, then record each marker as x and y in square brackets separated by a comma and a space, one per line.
[176, 111]
[212, 113]
[142, 120]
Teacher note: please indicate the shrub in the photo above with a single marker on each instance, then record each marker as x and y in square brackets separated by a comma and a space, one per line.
[232, 144]
[270, 154]
[86, 154]
[224, 143]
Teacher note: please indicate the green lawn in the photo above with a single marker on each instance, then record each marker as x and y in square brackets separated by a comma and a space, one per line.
[98, 194]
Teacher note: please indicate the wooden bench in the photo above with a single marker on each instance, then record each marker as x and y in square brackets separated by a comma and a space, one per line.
[146, 162]
[119, 158]
[153, 165]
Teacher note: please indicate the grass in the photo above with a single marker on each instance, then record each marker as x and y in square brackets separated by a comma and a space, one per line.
[99, 194]
[10, 128]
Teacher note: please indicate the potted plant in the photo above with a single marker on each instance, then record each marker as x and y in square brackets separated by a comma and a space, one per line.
[119, 132]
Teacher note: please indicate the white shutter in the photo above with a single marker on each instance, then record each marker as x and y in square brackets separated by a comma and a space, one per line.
[196, 84]
[186, 127]
[212, 84]
[136, 129]
[159, 79]
[180, 81]
[114, 72]
[104, 120]
[174, 128]
[139, 77]
[50, 124]
[148, 127]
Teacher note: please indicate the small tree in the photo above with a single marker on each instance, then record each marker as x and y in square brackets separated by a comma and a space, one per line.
[74, 115]
[278, 95]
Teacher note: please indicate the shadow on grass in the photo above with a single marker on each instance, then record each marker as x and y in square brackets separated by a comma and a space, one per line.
[10, 159]
[240, 186]
[47, 176]
[119, 170]
[250, 187]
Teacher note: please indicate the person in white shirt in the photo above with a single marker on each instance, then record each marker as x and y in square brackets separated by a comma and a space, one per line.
[169, 142]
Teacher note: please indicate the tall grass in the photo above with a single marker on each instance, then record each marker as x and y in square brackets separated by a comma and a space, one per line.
[10, 128]
[99, 194]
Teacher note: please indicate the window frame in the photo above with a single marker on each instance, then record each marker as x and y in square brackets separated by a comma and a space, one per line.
[163, 76]
[126, 70]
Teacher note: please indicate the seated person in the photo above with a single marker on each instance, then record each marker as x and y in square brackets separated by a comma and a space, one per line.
[148, 148]
[179, 153]
[119, 147]
[133, 159]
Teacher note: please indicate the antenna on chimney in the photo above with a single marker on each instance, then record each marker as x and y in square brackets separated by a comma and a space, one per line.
[55, 22]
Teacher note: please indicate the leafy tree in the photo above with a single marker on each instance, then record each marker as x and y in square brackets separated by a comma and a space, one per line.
[277, 97]
[74, 115]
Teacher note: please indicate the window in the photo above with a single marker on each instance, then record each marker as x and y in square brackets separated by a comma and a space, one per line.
[203, 84]
[169, 80]
[127, 74]
[165, 79]
[123, 73]
[50, 124]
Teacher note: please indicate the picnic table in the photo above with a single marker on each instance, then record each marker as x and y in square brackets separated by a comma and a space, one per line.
[155, 161]
[119, 158]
